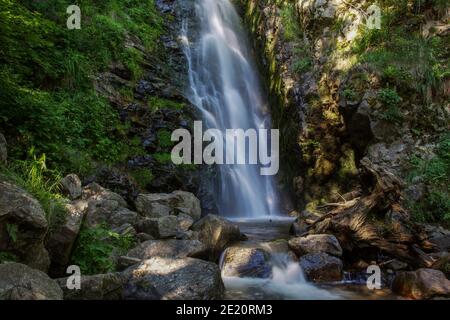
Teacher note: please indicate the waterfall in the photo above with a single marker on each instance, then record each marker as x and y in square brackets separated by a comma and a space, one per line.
[224, 86]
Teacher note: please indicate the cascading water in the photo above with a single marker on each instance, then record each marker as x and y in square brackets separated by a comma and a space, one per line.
[225, 88]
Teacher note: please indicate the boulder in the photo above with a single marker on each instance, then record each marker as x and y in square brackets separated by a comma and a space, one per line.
[160, 204]
[3, 150]
[438, 236]
[184, 222]
[246, 262]
[421, 284]
[173, 279]
[160, 228]
[106, 207]
[23, 226]
[314, 244]
[20, 282]
[217, 234]
[168, 249]
[63, 238]
[107, 286]
[321, 267]
[71, 186]
[298, 227]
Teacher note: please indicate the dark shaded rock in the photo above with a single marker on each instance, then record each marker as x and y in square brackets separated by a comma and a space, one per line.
[160, 228]
[20, 282]
[321, 267]
[23, 226]
[168, 249]
[173, 279]
[71, 186]
[3, 150]
[246, 262]
[98, 287]
[217, 234]
[421, 284]
[316, 243]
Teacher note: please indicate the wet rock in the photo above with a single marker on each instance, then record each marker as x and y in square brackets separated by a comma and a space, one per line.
[3, 150]
[20, 282]
[321, 267]
[160, 228]
[98, 287]
[168, 249]
[217, 234]
[173, 279]
[246, 262]
[316, 243]
[63, 238]
[71, 186]
[421, 284]
[23, 226]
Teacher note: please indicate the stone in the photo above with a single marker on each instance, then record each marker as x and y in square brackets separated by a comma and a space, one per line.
[63, 238]
[168, 249]
[421, 284]
[321, 267]
[184, 222]
[316, 243]
[298, 227]
[155, 205]
[173, 279]
[246, 262]
[107, 286]
[23, 226]
[3, 150]
[160, 228]
[20, 282]
[71, 186]
[217, 234]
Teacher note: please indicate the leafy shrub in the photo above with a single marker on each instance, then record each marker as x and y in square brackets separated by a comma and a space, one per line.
[96, 248]
[389, 97]
[142, 176]
[302, 65]
[288, 18]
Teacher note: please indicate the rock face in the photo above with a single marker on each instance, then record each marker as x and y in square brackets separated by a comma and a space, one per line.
[63, 238]
[246, 262]
[3, 150]
[106, 207]
[217, 234]
[321, 267]
[316, 243]
[160, 228]
[168, 249]
[20, 282]
[22, 226]
[71, 186]
[160, 205]
[99, 287]
[421, 284]
[173, 279]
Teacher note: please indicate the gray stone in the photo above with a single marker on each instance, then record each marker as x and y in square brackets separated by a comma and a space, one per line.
[321, 267]
[316, 243]
[23, 226]
[20, 282]
[246, 262]
[98, 287]
[71, 186]
[3, 150]
[421, 284]
[217, 234]
[160, 228]
[168, 249]
[173, 279]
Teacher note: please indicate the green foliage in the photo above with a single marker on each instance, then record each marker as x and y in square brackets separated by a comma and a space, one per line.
[34, 176]
[165, 139]
[349, 94]
[163, 157]
[389, 97]
[435, 172]
[47, 98]
[156, 103]
[7, 257]
[12, 230]
[143, 177]
[96, 247]
[303, 65]
[288, 18]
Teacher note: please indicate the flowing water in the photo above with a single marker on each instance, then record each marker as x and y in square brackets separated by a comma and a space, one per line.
[225, 87]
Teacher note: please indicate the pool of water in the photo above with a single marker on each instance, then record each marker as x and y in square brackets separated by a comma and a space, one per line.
[288, 281]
